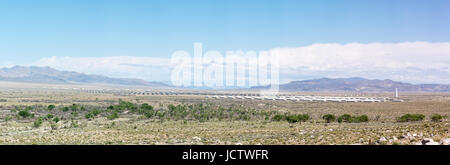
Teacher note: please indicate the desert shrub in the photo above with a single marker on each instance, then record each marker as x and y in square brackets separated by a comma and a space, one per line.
[111, 107]
[172, 107]
[49, 116]
[410, 117]
[329, 118]
[56, 119]
[344, 118]
[149, 114]
[54, 126]
[37, 123]
[74, 114]
[244, 117]
[297, 118]
[278, 117]
[74, 107]
[24, 114]
[96, 112]
[74, 124]
[65, 109]
[113, 116]
[89, 115]
[92, 114]
[145, 106]
[8, 118]
[28, 108]
[437, 117]
[123, 105]
[292, 118]
[303, 117]
[360, 119]
[147, 110]
[160, 114]
[51, 107]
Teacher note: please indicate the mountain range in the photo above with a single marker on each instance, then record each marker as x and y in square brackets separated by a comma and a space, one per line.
[49, 75]
[357, 84]
[36, 74]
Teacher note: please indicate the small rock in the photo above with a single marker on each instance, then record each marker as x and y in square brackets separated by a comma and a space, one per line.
[417, 143]
[239, 144]
[432, 143]
[361, 140]
[445, 141]
[196, 138]
[382, 139]
[426, 140]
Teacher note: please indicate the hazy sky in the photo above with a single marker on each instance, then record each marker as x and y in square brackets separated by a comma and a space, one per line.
[34, 32]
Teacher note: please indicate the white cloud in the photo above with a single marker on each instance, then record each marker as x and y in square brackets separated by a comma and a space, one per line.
[415, 62]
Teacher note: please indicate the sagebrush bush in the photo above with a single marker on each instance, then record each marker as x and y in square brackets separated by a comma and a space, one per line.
[54, 126]
[329, 118]
[292, 118]
[89, 115]
[437, 117]
[278, 118]
[411, 117]
[37, 123]
[49, 116]
[303, 117]
[24, 114]
[96, 112]
[346, 118]
[51, 107]
[56, 119]
[113, 116]
[360, 119]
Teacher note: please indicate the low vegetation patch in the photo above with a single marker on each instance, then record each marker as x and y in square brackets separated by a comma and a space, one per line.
[346, 118]
[187, 112]
[411, 117]
[329, 118]
[37, 123]
[113, 116]
[291, 118]
[437, 118]
[24, 114]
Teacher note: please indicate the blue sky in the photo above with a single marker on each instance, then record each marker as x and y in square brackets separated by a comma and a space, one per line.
[33, 29]
[46, 32]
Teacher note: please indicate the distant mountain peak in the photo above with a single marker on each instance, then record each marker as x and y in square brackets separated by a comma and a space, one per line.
[358, 84]
[47, 74]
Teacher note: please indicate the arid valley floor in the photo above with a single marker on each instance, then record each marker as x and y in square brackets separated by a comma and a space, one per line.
[43, 115]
